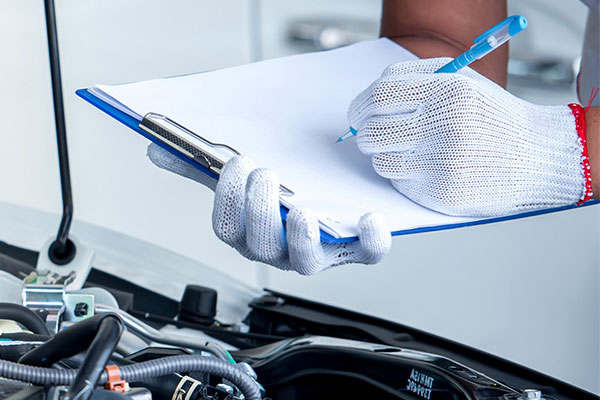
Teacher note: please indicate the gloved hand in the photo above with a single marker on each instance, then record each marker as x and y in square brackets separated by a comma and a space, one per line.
[462, 145]
[247, 217]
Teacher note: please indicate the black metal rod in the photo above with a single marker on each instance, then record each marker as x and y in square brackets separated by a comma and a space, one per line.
[60, 247]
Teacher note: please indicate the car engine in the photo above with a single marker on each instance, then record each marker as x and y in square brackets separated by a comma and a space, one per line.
[113, 339]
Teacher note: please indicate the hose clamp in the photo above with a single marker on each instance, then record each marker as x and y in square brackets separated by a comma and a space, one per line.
[181, 393]
[114, 382]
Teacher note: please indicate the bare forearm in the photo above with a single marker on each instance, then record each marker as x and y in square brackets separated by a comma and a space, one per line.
[592, 122]
[441, 28]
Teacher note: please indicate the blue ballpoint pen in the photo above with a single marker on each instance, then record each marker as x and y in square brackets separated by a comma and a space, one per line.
[483, 45]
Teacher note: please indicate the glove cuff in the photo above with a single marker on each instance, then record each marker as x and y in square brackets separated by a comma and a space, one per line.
[579, 114]
[555, 164]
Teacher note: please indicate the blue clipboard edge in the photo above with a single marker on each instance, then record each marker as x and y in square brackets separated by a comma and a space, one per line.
[134, 124]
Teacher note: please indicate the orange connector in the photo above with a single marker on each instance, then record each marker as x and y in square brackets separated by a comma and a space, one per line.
[114, 382]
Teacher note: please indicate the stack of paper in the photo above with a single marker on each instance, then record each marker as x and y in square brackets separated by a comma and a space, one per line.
[285, 114]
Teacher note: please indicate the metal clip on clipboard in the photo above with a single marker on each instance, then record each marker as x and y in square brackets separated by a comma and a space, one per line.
[178, 137]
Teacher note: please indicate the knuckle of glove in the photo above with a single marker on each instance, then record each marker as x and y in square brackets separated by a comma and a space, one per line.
[392, 133]
[443, 90]
[411, 95]
[422, 66]
[391, 165]
[399, 93]
[385, 96]
[361, 108]
[265, 252]
[265, 242]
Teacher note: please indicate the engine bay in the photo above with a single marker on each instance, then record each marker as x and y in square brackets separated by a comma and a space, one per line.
[114, 339]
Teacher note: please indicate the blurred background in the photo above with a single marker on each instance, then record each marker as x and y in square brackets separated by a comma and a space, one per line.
[526, 290]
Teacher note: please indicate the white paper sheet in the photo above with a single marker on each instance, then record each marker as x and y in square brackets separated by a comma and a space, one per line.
[286, 114]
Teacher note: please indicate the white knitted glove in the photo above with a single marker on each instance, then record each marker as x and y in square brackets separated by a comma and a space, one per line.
[169, 162]
[246, 216]
[462, 145]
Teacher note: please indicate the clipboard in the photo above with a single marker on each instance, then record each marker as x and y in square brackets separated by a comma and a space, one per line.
[210, 165]
[152, 129]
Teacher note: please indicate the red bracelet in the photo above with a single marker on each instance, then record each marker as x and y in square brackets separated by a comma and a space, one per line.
[579, 114]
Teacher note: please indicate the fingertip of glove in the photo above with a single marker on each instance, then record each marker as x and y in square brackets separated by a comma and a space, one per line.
[263, 176]
[151, 149]
[372, 220]
[158, 155]
[374, 236]
[262, 190]
[239, 162]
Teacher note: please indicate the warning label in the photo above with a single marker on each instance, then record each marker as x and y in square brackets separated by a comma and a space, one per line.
[420, 384]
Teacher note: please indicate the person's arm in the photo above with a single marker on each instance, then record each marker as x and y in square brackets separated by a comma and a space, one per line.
[592, 122]
[438, 28]
[442, 28]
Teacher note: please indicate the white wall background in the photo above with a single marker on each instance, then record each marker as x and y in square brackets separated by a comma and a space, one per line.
[526, 290]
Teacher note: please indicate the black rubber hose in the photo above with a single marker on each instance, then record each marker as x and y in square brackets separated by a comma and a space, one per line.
[12, 352]
[24, 337]
[15, 267]
[23, 316]
[161, 387]
[66, 343]
[97, 356]
[140, 371]
[15, 344]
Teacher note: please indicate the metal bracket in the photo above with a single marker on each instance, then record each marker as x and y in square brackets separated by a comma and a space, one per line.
[80, 265]
[45, 291]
